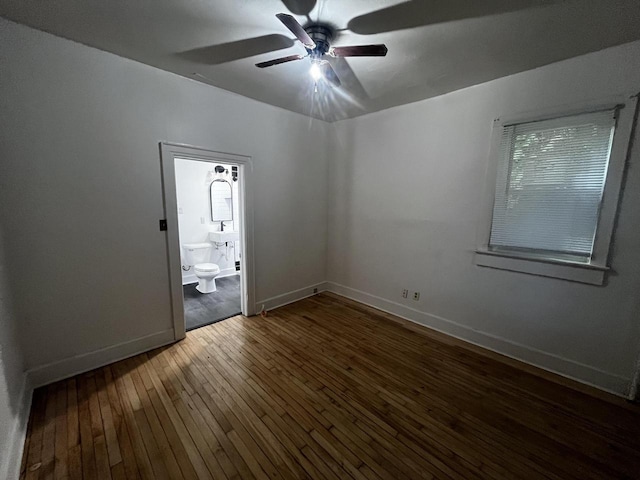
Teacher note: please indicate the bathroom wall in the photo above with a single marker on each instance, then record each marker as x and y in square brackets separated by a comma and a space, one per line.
[405, 200]
[81, 194]
[194, 214]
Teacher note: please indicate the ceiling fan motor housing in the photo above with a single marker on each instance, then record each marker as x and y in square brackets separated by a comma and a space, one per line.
[321, 36]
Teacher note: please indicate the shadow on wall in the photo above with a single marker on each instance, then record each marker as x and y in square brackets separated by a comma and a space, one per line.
[341, 204]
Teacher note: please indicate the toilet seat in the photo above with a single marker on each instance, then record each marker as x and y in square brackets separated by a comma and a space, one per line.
[207, 268]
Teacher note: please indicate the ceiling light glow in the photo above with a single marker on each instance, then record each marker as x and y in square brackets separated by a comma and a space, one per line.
[315, 72]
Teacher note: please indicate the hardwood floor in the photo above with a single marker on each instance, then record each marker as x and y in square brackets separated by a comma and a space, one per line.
[326, 388]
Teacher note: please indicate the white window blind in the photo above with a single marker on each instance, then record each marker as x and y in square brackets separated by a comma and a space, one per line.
[551, 176]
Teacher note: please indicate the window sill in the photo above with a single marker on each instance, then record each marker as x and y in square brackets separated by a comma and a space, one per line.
[563, 269]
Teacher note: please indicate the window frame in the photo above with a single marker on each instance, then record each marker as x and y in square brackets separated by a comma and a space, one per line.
[594, 271]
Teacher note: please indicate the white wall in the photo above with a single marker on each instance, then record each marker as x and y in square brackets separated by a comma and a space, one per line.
[405, 192]
[14, 398]
[81, 193]
[194, 214]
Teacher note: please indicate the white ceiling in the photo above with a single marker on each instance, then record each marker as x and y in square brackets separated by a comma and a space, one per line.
[435, 46]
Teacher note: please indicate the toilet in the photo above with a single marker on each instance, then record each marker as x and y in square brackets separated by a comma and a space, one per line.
[196, 256]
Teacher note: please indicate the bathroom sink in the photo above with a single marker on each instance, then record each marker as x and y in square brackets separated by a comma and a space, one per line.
[224, 237]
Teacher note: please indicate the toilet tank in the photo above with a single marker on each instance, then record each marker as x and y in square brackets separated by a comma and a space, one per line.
[195, 253]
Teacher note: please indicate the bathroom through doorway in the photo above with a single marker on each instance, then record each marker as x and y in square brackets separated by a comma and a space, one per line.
[208, 221]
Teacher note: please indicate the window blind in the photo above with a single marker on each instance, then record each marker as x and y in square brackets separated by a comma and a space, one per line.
[551, 176]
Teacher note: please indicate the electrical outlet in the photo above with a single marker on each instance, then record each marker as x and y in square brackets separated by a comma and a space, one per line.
[315, 290]
[405, 293]
[416, 296]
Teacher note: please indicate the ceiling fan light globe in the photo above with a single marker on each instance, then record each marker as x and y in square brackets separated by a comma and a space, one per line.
[315, 71]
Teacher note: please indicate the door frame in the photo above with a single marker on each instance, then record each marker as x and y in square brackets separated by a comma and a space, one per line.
[168, 153]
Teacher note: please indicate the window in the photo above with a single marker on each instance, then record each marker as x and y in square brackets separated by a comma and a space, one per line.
[554, 183]
[550, 183]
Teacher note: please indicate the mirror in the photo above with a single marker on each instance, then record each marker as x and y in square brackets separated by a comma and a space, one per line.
[221, 201]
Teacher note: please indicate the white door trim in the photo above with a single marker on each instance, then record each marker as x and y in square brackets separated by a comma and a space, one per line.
[168, 153]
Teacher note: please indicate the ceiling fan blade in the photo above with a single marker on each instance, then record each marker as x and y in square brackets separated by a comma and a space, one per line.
[348, 78]
[293, 25]
[278, 61]
[379, 50]
[329, 74]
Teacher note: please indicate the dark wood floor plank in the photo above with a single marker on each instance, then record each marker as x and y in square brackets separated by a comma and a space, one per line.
[166, 452]
[443, 468]
[238, 366]
[348, 376]
[130, 466]
[103, 468]
[61, 470]
[250, 414]
[143, 458]
[191, 419]
[36, 429]
[86, 434]
[108, 421]
[319, 373]
[48, 436]
[326, 388]
[186, 442]
[265, 407]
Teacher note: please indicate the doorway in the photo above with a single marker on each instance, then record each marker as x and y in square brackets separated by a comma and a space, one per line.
[209, 222]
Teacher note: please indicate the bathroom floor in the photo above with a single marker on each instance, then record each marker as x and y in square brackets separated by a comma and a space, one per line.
[203, 309]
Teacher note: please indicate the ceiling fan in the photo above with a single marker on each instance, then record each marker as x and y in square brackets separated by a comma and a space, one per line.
[316, 38]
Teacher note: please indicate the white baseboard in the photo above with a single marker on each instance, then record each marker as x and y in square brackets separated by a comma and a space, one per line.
[11, 469]
[52, 372]
[582, 373]
[290, 297]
